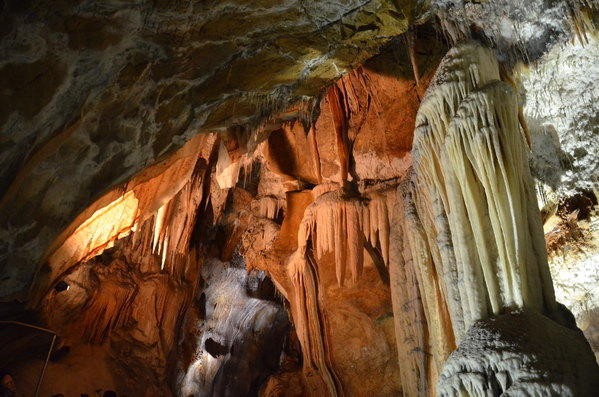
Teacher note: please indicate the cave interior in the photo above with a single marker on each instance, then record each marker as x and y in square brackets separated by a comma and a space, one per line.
[299, 198]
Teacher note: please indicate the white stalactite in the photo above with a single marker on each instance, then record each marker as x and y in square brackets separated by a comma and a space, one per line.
[474, 194]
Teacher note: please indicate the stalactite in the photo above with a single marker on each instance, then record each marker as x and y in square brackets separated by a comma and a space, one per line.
[171, 227]
[158, 225]
[333, 224]
[411, 43]
[340, 223]
[269, 206]
[145, 199]
[146, 283]
[308, 318]
[474, 192]
[340, 115]
[377, 226]
[227, 170]
[98, 232]
[315, 153]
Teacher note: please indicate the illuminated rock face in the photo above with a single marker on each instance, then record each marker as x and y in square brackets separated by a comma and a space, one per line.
[146, 264]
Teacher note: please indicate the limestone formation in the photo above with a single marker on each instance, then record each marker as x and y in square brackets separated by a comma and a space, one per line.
[496, 358]
[298, 198]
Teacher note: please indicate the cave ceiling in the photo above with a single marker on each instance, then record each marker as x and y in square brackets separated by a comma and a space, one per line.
[93, 92]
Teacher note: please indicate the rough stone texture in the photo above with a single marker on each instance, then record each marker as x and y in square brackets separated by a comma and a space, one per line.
[520, 353]
[574, 264]
[240, 333]
[95, 91]
[517, 29]
[562, 115]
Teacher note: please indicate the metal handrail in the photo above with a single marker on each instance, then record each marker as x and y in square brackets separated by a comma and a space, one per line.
[39, 381]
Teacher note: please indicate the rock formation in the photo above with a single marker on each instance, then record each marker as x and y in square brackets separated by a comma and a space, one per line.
[299, 198]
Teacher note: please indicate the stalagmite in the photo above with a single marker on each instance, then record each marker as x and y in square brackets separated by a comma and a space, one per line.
[411, 330]
[520, 353]
[418, 259]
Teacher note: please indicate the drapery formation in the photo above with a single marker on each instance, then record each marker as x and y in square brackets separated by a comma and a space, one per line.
[469, 229]
[339, 223]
